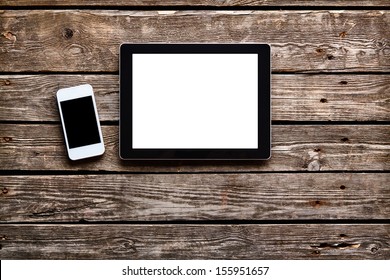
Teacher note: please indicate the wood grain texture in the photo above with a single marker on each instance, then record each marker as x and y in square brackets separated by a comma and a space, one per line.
[213, 3]
[88, 40]
[167, 197]
[294, 148]
[299, 97]
[132, 204]
[318, 241]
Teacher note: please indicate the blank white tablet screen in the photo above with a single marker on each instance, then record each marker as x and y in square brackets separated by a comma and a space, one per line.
[195, 101]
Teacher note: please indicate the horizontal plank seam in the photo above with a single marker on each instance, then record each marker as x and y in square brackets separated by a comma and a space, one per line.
[93, 172]
[197, 7]
[116, 123]
[116, 73]
[211, 222]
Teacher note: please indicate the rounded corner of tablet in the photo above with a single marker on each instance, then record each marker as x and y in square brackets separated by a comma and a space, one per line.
[122, 46]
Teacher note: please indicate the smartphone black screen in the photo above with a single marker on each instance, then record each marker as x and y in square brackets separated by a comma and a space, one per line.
[80, 122]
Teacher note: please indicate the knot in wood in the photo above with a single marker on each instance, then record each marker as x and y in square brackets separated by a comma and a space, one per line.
[67, 33]
[374, 249]
[342, 34]
[314, 166]
[330, 57]
[9, 35]
[122, 245]
[7, 139]
[323, 100]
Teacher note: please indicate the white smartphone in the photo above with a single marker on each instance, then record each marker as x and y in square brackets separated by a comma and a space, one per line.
[80, 122]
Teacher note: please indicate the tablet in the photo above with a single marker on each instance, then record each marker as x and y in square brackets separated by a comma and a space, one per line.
[194, 101]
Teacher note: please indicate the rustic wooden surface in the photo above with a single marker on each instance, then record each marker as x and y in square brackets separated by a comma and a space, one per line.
[295, 97]
[319, 241]
[214, 3]
[325, 193]
[302, 41]
[167, 197]
[294, 148]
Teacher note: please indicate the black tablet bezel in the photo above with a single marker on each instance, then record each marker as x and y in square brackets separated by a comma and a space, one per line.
[264, 119]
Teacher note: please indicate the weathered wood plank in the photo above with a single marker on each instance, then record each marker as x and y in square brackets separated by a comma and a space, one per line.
[88, 40]
[294, 97]
[220, 3]
[315, 241]
[294, 148]
[167, 197]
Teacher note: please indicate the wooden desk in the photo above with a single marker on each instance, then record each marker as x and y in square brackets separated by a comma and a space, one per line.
[325, 194]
